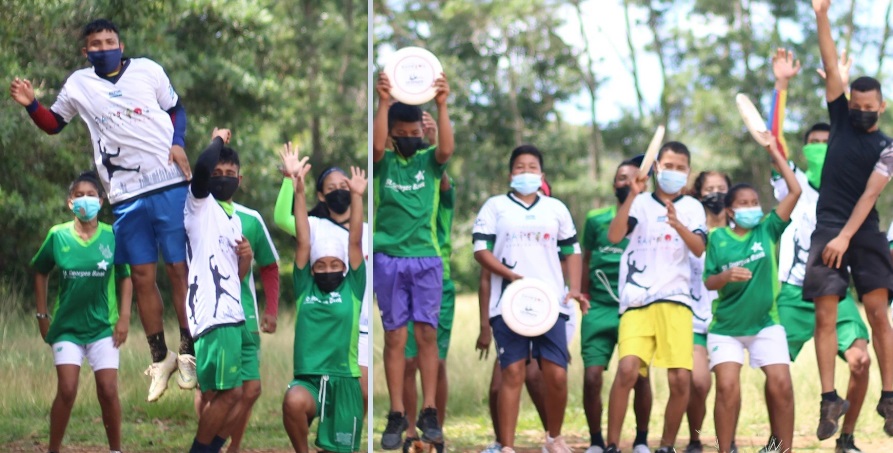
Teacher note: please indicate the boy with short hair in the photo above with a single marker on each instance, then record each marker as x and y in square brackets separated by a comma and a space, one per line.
[407, 267]
[655, 288]
[219, 258]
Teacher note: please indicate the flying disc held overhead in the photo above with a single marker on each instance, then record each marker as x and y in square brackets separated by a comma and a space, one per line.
[651, 152]
[412, 72]
[755, 123]
[530, 307]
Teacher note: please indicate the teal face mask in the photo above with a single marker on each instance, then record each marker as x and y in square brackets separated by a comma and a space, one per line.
[748, 217]
[85, 208]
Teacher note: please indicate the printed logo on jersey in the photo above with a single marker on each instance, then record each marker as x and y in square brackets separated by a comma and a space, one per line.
[529, 238]
[329, 299]
[122, 116]
[392, 185]
[104, 265]
[106, 251]
[110, 167]
[757, 247]
[758, 254]
[115, 94]
[420, 176]
[66, 249]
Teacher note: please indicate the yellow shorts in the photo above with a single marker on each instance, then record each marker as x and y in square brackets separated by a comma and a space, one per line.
[660, 331]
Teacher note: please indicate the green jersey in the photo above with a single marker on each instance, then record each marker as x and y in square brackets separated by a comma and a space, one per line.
[86, 307]
[407, 195]
[604, 256]
[255, 230]
[745, 308]
[444, 225]
[327, 324]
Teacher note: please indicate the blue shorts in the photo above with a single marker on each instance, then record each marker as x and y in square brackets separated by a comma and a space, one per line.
[512, 347]
[147, 223]
[408, 289]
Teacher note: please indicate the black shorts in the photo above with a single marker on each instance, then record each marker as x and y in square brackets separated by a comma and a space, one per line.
[867, 259]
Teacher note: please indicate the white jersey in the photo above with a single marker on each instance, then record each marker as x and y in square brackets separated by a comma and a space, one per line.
[793, 248]
[656, 265]
[527, 240]
[215, 290]
[129, 127]
[701, 297]
[320, 227]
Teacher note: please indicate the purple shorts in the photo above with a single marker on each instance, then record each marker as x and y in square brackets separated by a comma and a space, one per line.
[408, 289]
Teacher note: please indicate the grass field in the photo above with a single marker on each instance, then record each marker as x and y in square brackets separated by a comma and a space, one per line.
[28, 385]
[468, 426]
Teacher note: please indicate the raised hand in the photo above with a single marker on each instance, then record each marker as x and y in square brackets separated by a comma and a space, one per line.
[772, 147]
[784, 67]
[384, 88]
[844, 65]
[672, 218]
[821, 6]
[224, 134]
[22, 91]
[443, 90]
[357, 182]
[429, 128]
[292, 163]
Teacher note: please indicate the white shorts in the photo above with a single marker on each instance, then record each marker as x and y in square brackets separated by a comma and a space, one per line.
[768, 347]
[363, 350]
[101, 354]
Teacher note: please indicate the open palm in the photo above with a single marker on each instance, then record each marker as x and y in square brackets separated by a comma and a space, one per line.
[357, 181]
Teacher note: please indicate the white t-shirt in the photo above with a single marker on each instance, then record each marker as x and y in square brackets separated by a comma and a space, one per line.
[793, 248]
[214, 297]
[527, 240]
[656, 264]
[701, 297]
[327, 228]
[130, 128]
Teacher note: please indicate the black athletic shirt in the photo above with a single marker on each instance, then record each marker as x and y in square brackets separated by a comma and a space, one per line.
[852, 156]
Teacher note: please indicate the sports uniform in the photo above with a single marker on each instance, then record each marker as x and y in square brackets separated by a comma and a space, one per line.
[86, 308]
[527, 239]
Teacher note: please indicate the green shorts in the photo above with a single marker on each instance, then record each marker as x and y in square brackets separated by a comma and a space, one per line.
[218, 358]
[339, 406]
[598, 334]
[701, 340]
[250, 355]
[798, 318]
[444, 324]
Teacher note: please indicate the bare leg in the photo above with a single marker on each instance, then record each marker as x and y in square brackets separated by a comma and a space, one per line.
[876, 311]
[781, 390]
[859, 362]
[555, 380]
[624, 381]
[426, 339]
[364, 387]
[410, 395]
[107, 394]
[493, 401]
[298, 410]
[442, 391]
[826, 338]
[394, 365]
[216, 414]
[536, 390]
[642, 402]
[728, 403]
[679, 380]
[66, 394]
[700, 387]
[250, 393]
[148, 302]
[178, 275]
[510, 402]
[592, 397]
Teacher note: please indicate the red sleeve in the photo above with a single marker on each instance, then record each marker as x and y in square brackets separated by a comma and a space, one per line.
[46, 119]
[270, 277]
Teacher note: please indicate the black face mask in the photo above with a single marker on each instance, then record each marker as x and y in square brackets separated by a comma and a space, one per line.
[715, 202]
[622, 193]
[328, 281]
[862, 120]
[407, 146]
[223, 187]
[338, 200]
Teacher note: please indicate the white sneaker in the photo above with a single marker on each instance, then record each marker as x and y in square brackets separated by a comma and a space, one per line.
[595, 449]
[641, 448]
[160, 373]
[186, 378]
[493, 448]
[556, 445]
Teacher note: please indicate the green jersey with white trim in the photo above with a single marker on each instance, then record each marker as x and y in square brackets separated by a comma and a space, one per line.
[255, 230]
[86, 307]
[604, 256]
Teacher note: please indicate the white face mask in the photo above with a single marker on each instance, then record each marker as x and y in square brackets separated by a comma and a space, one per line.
[527, 183]
[671, 181]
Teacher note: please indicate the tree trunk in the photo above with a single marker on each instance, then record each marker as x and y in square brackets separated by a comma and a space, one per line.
[654, 26]
[882, 52]
[850, 26]
[596, 143]
[640, 101]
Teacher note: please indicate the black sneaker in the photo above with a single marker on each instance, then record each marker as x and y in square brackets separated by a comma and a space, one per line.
[407, 443]
[427, 423]
[772, 446]
[847, 445]
[734, 448]
[665, 450]
[392, 437]
[885, 409]
[612, 449]
[694, 446]
[830, 412]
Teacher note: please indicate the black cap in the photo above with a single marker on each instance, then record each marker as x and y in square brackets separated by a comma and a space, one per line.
[637, 161]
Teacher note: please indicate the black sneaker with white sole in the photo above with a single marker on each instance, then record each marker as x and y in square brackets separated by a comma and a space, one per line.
[427, 423]
[392, 437]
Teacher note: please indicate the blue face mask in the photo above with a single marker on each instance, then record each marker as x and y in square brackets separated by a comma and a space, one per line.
[527, 183]
[671, 181]
[85, 208]
[105, 61]
[748, 217]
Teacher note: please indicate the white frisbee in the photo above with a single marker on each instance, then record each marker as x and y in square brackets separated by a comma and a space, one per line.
[752, 118]
[529, 307]
[651, 152]
[412, 72]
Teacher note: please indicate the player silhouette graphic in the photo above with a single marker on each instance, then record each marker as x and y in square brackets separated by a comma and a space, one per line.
[633, 270]
[193, 287]
[797, 250]
[218, 277]
[110, 167]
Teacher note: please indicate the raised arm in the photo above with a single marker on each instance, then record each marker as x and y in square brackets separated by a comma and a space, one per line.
[47, 120]
[207, 160]
[445, 145]
[283, 215]
[786, 204]
[619, 227]
[380, 126]
[357, 185]
[833, 84]
[298, 168]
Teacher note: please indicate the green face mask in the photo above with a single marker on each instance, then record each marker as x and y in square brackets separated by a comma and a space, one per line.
[815, 160]
[228, 207]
